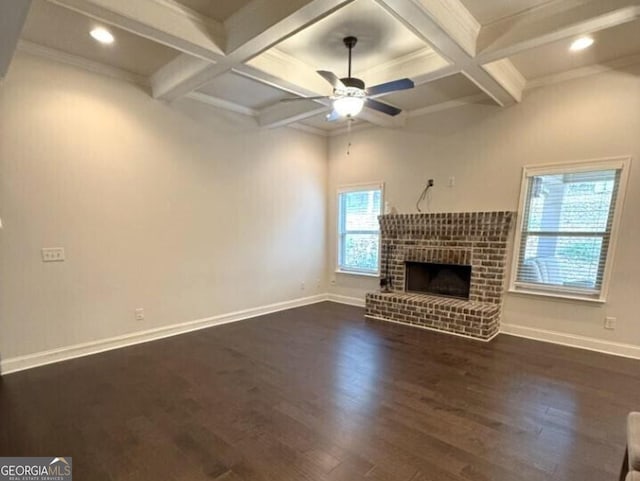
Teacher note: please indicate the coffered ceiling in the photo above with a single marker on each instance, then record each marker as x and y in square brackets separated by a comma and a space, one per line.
[67, 31]
[381, 39]
[488, 11]
[249, 55]
[217, 9]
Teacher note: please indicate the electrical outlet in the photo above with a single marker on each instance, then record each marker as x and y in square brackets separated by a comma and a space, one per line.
[53, 254]
[610, 323]
[302, 286]
[139, 314]
[452, 181]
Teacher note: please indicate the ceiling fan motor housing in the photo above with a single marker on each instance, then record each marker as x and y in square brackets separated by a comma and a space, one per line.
[353, 82]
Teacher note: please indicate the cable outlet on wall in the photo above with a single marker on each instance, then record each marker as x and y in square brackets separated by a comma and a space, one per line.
[53, 254]
[139, 312]
[610, 323]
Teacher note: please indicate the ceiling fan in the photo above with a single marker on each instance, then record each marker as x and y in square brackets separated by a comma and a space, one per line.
[350, 95]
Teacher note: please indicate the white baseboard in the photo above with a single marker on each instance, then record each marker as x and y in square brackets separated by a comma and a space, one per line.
[350, 301]
[564, 339]
[21, 363]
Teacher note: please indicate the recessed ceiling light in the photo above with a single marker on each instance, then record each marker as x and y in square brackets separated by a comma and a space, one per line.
[102, 35]
[581, 43]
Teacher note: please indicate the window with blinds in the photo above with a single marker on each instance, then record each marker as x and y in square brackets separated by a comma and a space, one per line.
[358, 229]
[568, 220]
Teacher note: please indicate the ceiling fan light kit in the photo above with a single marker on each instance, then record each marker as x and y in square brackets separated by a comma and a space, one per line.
[350, 95]
[350, 103]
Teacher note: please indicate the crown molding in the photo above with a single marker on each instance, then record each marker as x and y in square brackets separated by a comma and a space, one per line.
[222, 104]
[82, 63]
[595, 69]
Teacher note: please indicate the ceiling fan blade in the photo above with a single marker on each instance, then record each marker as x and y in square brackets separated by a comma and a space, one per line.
[400, 84]
[332, 116]
[331, 78]
[293, 99]
[381, 107]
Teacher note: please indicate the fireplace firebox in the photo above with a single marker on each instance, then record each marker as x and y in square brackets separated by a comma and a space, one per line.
[449, 280]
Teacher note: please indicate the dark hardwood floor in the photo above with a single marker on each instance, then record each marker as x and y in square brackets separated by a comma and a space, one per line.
[318, 393]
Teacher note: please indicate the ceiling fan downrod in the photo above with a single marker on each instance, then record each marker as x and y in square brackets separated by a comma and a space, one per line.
[350, 81]
[350, 42]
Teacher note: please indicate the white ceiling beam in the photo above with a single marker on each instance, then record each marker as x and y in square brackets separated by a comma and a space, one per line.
[453, 17]
[427, 77]
[550, 23]
[282, 66]
[276, 81]
[282, 114]
[12, 17]
[510, 77]
[182, 75]
[445, 25]
[252, 30]
[164, 22]
[222, 104]
[261, 24]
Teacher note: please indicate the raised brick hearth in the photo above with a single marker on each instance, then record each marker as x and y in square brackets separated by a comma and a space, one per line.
[478, 239]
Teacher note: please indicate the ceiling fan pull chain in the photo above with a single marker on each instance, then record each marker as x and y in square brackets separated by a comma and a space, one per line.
[349, 120]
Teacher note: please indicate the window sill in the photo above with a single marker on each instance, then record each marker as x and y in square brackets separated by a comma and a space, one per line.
[557, 296]
[356, 273]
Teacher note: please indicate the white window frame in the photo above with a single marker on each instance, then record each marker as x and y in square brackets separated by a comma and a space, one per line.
[356, 188]
[618, 163]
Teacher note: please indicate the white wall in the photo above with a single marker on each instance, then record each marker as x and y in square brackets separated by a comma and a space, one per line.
[179, 209]
[485, 148]
[191, 212]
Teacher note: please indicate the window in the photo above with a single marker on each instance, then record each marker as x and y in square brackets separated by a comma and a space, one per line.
[358, 228]
[568, 219]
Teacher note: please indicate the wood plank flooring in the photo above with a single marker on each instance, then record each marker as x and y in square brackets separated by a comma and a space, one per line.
[320, 394]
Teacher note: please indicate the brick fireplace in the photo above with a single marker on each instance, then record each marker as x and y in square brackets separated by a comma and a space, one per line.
[428, 255]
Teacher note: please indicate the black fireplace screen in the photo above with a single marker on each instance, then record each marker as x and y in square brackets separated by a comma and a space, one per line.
[449, 280]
